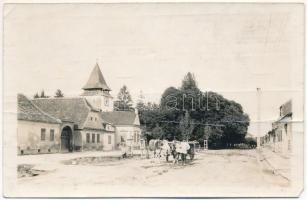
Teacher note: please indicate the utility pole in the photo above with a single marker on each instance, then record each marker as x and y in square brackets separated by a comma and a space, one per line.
[258, 116]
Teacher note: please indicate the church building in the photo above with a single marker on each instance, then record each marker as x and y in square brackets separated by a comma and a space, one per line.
[97, 92]
[85, 122]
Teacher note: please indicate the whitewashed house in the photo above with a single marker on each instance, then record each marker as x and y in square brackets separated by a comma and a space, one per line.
[280, 139]
[127, 126]
[83, 127]
[37, 131]
[86, 122]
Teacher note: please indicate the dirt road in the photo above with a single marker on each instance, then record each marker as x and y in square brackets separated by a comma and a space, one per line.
[212, 173]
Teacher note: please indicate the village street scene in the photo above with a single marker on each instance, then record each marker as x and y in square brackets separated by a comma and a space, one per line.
[114, 137]
[153, 100]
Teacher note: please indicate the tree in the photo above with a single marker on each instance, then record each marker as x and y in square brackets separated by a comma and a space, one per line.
[189, 82]
[140, 105]
[43, 94]
[186, 126]
[189, 113]
[36, 95]
[58, 93]
[124, 100]
[170, 98]
[251, 142]
[157, 132]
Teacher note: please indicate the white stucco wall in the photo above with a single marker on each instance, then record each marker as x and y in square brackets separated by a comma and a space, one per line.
[101, 145]
[29, 137]
[128, 133]
[106, 145]
[100, 102]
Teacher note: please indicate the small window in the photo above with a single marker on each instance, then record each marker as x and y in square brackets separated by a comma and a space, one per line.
[93, 138]
[134, 137]
[51, 134]
[91, 118]
[43, 134]
[88, 138]
[109, 139]
[98, 138]
[106, 102]
[95, 119]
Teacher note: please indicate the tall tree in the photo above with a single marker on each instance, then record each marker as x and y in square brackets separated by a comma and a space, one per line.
[225, 120]
[36, 95]
[124, 100]
[140, 105]
[43, 94]
[186, 126]
[59, 93]
[188, 113]
[189, 82]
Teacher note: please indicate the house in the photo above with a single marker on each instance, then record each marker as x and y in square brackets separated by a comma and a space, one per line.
[37, 131]
[86, 122]
[127, 127]
[280, 138]
[82, 125]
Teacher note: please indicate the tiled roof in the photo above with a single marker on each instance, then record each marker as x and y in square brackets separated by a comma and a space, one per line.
[74, 110]
[96, 80]
[30, 112]
[286, 108]
[119, 117]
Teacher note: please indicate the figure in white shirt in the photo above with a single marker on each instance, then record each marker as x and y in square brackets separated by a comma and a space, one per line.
[184, 151]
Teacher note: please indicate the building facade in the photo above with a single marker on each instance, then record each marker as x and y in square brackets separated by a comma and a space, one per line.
[127, 127]
[86, 122]
[37, 132]
[280, 138]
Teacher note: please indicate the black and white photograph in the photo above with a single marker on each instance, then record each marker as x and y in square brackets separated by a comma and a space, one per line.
[153, 99]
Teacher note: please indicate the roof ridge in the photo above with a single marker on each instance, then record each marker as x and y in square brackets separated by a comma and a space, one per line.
[40, 110]
[91, 107]
[89, 110]
[57, 98]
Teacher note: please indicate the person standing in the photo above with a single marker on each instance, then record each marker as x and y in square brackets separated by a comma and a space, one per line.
[184, 151]
[123, 150]
[166, 149]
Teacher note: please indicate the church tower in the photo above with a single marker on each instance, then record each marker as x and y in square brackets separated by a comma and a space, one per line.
[97, 92]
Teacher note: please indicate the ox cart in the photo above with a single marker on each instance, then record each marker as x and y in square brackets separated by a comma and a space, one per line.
[194, 146]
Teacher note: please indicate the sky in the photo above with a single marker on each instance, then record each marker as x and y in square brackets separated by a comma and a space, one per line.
[231, 49]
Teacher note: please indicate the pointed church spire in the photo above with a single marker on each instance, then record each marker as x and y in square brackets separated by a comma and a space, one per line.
[96, 80]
